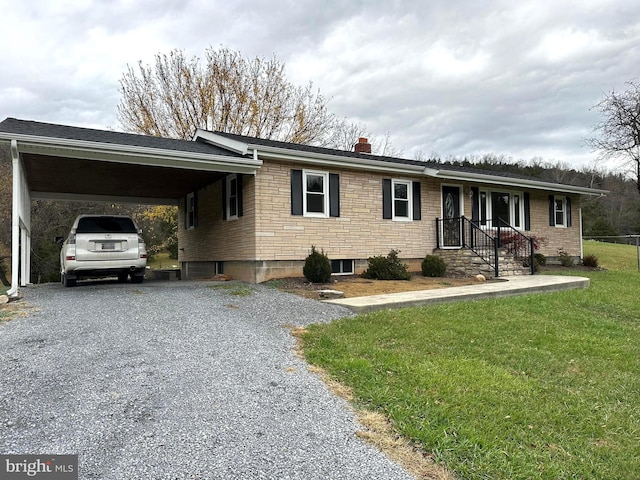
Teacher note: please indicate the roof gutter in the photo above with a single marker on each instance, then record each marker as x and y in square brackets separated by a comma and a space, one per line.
[313, 158]
[130, 154]
[512, 182]
[360, 163]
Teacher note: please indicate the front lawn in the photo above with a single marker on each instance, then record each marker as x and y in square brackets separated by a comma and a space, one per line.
[538, 386]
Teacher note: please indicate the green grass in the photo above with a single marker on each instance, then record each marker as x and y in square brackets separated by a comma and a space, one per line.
[612, 256]
[538, 386]
[236, 289]
[162, 260]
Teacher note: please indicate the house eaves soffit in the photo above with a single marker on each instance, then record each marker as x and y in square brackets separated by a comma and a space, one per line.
[337, 161]
[107, 152]
[299, 156]
[531, 184]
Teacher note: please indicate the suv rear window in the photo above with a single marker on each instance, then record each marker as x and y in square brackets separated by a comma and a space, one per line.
[106, 225]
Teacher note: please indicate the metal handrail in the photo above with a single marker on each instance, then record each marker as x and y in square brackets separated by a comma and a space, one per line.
[485, 241]
[517, 244]
[473, 237]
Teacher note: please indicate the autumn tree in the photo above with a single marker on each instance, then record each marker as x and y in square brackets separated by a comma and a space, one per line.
[228, 93]
[617, 136]
[160, 229]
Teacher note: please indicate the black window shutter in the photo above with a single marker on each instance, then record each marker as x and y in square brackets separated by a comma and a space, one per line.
[527, 211]
[296, 192]
[552, 211]
[475, 205]
[224, 198]
[568, 212]
[417, 214]
[195, 209]
[186, 212]
[386, 198]
[240, 196]
[334, 195]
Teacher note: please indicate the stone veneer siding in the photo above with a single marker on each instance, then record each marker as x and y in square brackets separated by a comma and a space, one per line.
[268, 242]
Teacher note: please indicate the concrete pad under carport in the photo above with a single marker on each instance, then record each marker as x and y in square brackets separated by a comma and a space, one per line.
[523, 285]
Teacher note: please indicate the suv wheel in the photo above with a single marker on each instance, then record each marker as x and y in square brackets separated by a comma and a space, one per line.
[66, 281]
[137, 278]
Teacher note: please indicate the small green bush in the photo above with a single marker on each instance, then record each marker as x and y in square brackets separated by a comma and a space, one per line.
[387, 268]
[317, 267]
[540, 259]
[566, 260]
[590, 261]
[433, 266]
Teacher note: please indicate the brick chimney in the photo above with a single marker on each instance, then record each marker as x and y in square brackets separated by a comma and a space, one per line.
[363, 146]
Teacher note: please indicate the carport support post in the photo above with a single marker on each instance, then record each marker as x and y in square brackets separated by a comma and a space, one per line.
[15, 220]
[25, 257]
[20, 226]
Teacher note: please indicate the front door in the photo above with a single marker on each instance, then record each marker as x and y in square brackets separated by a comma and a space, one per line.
[451, 221]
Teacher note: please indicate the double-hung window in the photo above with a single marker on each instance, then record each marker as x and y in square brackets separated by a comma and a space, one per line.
[559, 209]
[402, 195]
[401, 200]
[315, 194]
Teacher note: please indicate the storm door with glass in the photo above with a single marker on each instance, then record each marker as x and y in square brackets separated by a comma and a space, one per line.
[451, 221]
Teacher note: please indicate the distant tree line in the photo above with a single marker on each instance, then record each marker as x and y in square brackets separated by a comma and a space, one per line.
[617, 213]
[231, 93]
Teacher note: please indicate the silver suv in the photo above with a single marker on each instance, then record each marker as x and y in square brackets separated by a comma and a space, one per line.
[102, 246]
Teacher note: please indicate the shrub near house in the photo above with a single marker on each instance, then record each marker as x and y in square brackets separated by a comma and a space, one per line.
[317, 267]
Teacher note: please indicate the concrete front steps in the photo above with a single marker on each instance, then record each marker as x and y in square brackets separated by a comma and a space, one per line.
[465, 263]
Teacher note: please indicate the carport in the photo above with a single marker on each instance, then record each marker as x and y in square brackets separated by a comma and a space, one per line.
[59, 162]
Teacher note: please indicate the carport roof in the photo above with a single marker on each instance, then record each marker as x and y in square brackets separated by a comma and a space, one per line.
[73, 163]
[49, 130]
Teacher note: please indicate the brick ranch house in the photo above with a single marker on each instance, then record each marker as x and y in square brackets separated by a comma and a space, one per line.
[354, 205]
[252, 208]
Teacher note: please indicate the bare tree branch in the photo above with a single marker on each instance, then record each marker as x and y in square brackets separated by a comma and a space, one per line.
[617, 136]
[230, 94]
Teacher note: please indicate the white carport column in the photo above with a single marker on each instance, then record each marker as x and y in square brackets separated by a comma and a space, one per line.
[20, 225]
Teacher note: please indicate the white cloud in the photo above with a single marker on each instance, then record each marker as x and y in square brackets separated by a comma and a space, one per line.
[458, 78]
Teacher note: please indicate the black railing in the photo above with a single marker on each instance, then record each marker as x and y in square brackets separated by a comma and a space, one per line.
[485, 241]
[516, 244]
[462, 232]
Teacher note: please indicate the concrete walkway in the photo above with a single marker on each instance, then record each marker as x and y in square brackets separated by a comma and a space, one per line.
[508, 287]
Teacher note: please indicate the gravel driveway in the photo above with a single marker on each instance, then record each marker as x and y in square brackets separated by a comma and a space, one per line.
[172, 380]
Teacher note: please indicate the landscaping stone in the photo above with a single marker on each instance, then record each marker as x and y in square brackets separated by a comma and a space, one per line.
[327, 294]
[4, 299]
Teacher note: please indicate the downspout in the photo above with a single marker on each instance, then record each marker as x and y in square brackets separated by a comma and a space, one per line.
[581, 239]
[15, 221]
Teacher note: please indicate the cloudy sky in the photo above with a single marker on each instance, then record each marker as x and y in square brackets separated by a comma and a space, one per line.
[455, 77]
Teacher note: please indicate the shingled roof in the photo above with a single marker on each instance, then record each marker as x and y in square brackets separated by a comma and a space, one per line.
[51, 130]
[13, 126]
[428, 164]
